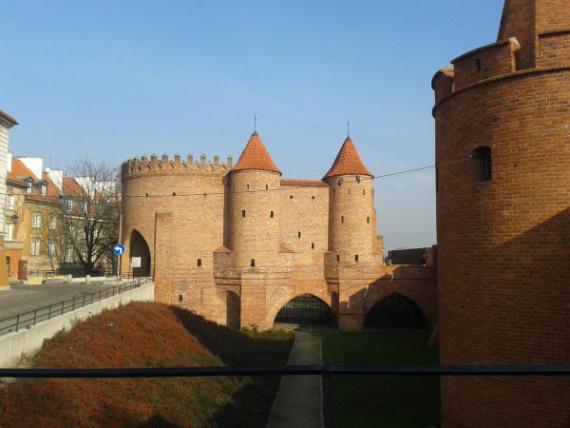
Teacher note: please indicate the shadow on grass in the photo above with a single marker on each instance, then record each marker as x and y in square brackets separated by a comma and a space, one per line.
[251, 404]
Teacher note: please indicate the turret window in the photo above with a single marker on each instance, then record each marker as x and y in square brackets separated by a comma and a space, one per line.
[271, 214]
[290, 196]
[482, 156]
[338, 258]
[367, 219]
[180, 298]
[356, 258]
[342, 219]
[267, 187]
[252, 262]
[243, 213]
[248, 187]
[299, 234]
[312, 245]
[364, 191]
[199, 262]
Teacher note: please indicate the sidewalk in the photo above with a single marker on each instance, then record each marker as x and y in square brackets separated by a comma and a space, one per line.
[298, 402]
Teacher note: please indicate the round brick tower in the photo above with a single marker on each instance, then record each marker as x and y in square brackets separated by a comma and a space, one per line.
[352, 218]
[503, 217]
[255, 201]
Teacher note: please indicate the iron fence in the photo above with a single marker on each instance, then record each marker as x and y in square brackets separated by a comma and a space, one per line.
[326, 371]
[30, 318]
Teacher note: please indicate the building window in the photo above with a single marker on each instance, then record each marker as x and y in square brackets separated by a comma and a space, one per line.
[367, 219]
[252, 262]
[69, 204]
[36, 220]
[29, 188]
[342, 219]
[44, 190]
[199, 262]
[51, 248]
[52, 223]
[11, 202]
[312, 245]
[482, 156]
[271, 214]
[290, 196]
[243, 213]
[248, 187]
[299, 234]
[267, 187]
[339, 182]
[69, 255]
[35, 247]
[312, 197]
[180, 298]
[10, 232]
[338, 258]
[356, 258]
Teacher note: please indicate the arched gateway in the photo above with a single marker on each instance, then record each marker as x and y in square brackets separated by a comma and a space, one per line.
[306, 310]
[140, 252]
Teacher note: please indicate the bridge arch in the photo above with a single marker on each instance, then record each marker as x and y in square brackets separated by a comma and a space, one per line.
[138, 247]
[304, 310]
[395, 310]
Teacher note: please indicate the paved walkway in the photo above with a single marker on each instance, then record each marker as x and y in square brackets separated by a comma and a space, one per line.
[298, 402]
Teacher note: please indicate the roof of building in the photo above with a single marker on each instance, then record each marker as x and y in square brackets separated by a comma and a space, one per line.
[71, 187]
[13, 178]
[302, 182]
[52, 189]
[8, 118]
[222, 249]
[347, 162]
[255, 156]
[19, 169]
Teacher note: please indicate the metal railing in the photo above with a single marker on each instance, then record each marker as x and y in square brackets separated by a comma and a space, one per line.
[30, 318]
[326, 371]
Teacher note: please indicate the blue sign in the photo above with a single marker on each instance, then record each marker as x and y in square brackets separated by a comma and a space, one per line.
[119, 249]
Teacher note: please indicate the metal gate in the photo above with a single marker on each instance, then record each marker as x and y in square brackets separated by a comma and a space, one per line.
[304, 311]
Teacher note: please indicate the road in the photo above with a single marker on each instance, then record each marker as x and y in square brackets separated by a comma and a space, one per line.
[24, 298]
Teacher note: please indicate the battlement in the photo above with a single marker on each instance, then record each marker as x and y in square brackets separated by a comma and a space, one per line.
[176, 166]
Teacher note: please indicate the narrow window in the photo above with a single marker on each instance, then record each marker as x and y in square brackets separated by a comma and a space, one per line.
[243, 213]
[267, 187]
[482, 156]
[252, 263]
[199, 263]
[339, 181]
[312, 245]
[356, 258]
[478, 64]
[337, 258]
[248, 187]
[299, 234]
[173, 193]
[271, 214]
[364, 192]
[290, 196]
[367, 219]
[180, 298]
[342, 219]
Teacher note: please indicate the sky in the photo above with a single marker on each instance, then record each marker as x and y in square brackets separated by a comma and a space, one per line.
[111, 80]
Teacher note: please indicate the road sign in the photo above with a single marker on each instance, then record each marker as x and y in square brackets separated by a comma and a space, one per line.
[136, 262]
[119, 249]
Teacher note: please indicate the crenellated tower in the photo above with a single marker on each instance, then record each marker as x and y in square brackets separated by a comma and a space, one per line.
[255, 207]
[352, 217]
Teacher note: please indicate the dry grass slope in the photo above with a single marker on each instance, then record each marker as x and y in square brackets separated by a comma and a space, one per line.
[147, 335]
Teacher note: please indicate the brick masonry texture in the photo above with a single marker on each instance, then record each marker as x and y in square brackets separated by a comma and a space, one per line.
[504, 245]
[235, 244]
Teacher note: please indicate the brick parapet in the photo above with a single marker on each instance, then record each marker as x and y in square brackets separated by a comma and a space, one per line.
[154, 165]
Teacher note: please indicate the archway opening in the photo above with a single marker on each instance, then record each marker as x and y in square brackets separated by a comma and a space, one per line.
[395, 312]
[139, 255]
[233, 310]
[305, 311]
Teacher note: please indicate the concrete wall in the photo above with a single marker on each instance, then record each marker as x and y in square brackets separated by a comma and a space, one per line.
[13, 346]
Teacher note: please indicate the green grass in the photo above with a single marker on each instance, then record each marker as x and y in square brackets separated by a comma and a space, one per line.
[383, 402]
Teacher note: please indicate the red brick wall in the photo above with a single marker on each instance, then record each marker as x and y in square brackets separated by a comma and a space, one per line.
[504, 248]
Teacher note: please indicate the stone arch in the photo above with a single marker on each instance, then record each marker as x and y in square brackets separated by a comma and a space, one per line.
[229, 313]
[304, 308]
[138, 247]
[395, 310]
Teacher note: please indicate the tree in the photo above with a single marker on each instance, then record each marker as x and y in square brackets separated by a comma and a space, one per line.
[89, 215]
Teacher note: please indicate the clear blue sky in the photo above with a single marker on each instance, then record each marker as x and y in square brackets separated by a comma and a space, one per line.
[117, 79]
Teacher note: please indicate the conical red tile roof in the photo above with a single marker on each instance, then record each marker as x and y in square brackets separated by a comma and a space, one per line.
[255, 156]
[348, 162]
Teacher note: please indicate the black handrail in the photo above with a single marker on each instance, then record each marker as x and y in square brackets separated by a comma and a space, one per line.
[327, 371]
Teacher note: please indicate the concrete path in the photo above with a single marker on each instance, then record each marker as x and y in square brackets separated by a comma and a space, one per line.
[298, 402]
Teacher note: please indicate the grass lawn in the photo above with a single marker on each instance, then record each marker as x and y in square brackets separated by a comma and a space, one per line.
[391, 402]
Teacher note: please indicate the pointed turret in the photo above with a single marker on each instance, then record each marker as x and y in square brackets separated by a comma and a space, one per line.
[347, 162]
[255, 156]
